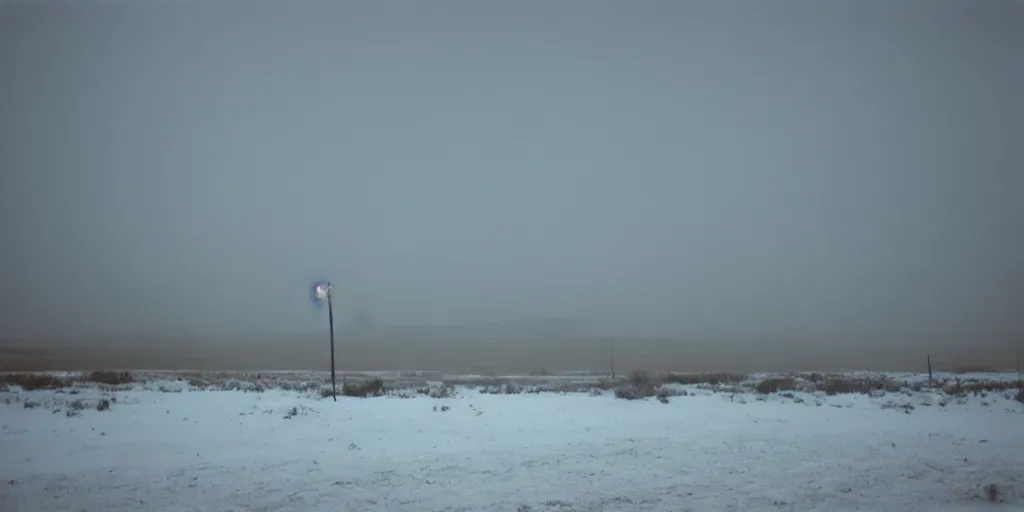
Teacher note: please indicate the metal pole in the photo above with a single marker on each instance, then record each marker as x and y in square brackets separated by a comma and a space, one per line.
[330, 319]
[1020, 384]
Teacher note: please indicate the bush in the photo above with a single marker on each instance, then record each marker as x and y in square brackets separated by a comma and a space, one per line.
[443, 391]
[977, 387]
[111, 377]
[640, 386]
[633, 392]
[35, 381]
[835, 385]
[775, 384]
[640, 378]
[103, 405]
[713, 379]
[371, 387]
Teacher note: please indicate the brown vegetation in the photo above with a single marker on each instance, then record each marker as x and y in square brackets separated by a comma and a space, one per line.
[37, 381]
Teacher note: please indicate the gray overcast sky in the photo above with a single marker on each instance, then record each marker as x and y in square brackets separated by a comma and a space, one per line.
[697, 168]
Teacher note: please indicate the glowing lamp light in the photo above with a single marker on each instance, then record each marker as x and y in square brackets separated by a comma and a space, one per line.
[322, 290]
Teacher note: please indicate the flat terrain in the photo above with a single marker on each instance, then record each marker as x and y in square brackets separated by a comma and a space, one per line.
[223, 442]
[486, 356]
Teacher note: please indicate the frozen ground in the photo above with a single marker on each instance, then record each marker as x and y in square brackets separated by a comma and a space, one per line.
[167, 445]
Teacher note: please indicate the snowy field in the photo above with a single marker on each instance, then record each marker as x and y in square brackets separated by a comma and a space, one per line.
[179, 445]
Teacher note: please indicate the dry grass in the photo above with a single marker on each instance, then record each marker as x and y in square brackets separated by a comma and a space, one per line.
[713, 379]
[37, 381]
[974, 387]
[828, 384]
[638, 385]
[839, 385]
[111, 378]
[775, 385]
[974, 369]
[641, 385]
[367, 388]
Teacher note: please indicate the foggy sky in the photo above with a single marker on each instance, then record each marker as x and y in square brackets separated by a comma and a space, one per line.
[692, 168]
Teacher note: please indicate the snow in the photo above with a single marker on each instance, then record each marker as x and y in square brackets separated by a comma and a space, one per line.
[181, 449]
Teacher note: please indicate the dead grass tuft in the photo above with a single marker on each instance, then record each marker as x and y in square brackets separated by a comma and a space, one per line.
[75, 408]
[662, 396]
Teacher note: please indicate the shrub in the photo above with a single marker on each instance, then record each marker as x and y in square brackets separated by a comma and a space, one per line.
[639, 378]
[371, 387]
[303, 387]
[836, 385]
[713, 379]
[633, 392]
[103, 405]
[775, 384]
[35, 381]
[111, 377]
[442, 391]
[640, 386]
[977, 387]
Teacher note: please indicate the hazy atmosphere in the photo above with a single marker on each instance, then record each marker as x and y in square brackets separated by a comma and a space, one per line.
[816, 172]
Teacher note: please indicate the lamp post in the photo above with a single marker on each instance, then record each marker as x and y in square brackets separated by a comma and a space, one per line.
[322, 292]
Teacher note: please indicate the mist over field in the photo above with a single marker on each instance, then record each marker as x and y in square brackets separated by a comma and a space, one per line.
[509, 185]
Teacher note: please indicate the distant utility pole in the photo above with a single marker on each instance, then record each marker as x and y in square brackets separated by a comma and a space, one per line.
[611, 354]
[1020, 385]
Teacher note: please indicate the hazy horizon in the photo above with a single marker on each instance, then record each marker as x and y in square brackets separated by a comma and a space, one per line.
[831, 171]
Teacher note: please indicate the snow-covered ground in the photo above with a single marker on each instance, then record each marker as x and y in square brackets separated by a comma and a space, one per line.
[164, 446]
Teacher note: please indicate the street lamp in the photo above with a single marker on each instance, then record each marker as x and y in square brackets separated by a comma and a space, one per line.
[322, 292]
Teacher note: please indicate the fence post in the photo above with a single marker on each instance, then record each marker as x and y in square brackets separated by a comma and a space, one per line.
[930, 382]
